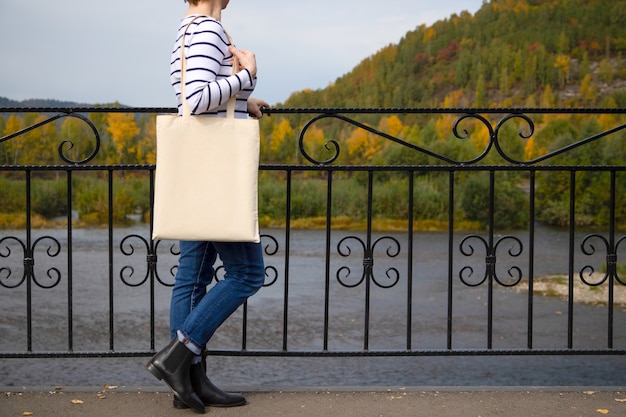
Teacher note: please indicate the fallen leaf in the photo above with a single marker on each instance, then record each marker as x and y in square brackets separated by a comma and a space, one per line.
[621, 400]
[589, 392]
[107, 386]
[101, 396]
[58, 388]
[77, 401]
[27, 413]
[602, 411]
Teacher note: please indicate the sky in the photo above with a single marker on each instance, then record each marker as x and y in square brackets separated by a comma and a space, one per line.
[95, 52]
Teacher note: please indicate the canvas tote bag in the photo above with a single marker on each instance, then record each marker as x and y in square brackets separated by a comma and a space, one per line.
[206, 181]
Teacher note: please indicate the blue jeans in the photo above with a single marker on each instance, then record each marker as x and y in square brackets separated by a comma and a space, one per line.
[197, 312]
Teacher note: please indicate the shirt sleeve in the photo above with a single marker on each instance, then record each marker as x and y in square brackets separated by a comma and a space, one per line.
[210, 82]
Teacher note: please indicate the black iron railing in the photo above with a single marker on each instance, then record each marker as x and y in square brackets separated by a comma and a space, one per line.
[74, 291]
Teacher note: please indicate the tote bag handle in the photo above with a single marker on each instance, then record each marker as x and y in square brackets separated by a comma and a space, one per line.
[230, 108]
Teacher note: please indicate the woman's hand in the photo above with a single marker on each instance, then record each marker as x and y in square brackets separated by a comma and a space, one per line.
[255, 105]
[246, 59]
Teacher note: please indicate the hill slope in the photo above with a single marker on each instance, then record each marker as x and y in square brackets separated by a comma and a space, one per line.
[531, 53]
[39, 102]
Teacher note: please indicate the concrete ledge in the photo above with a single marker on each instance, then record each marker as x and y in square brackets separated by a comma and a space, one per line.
[321, 388]
[324, 402]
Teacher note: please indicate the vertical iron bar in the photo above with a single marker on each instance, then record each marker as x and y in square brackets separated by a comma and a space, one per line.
[613, 269]
[450, 256]
[491, 263]
[28, 265]
[70, 275]
[287, 254]
[572, 221]
[153, 250]
[369, 260]
[329, 199]
[409, 278]
[111, 305]
[244, 327]
[531, 260]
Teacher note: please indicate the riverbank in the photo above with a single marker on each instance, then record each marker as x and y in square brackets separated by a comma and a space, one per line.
[558, 286]
[10, 221]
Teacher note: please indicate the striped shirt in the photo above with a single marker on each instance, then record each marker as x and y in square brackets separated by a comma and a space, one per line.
[209, 81]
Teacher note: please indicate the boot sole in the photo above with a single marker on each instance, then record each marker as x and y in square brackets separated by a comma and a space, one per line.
[179, 405]
[159, 375]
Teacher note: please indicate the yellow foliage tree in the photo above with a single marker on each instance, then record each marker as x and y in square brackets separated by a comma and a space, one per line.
[587, 90]
[608, 121]
[123, 129]
[479, 134]
[281, 131]
[547, 98]
[281, 142]
[561, 63]
[529, 149]
[363, 146]
[146, 148]
[315, 139]
[445, 122]
[12, 149]
[391, 125]
[40, 148]
[428, 37]
[518, 6]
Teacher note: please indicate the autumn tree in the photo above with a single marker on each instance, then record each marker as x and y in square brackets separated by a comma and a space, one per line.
[281, 145]
[41, 144]
[144, 149]
[12, 149]
[587, 90]
[124, 130]
[562, 64]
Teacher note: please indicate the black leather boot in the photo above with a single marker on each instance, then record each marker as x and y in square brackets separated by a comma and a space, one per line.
[172, 365]
[207, 391]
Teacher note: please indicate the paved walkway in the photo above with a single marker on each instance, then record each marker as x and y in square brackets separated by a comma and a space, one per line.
[329, 402]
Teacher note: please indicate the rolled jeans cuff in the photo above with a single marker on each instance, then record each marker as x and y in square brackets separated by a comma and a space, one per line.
[185, 340]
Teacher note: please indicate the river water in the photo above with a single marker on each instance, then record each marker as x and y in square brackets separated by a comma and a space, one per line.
[388, 319]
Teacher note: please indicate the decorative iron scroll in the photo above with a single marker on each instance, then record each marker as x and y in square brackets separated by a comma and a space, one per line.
[344, 272]
[611, 260]
[67, 144]
[270, 249]
[494, 140]
[515, 250]
[333, 146]
[53, 250]
[127, 248]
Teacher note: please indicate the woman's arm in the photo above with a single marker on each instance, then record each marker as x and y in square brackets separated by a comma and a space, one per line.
[209, 79]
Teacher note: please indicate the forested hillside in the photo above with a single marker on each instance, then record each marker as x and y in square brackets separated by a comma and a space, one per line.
[510, 53]
[7, 102]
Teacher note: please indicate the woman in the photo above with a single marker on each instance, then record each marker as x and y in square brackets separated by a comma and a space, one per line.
[196, 314]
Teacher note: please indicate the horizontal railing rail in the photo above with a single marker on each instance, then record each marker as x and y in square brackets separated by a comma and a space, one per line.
[356, 283]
